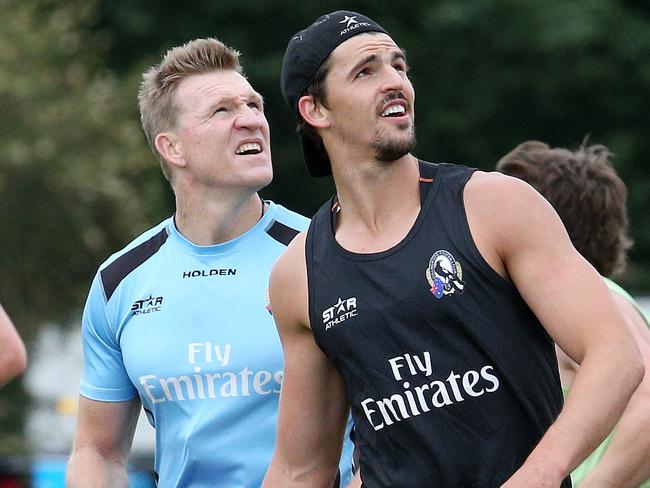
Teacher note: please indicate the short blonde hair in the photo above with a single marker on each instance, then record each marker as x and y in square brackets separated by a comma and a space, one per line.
[158, 110]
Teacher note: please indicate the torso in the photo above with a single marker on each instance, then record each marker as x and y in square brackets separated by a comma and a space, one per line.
[434, 346]
[199, 347]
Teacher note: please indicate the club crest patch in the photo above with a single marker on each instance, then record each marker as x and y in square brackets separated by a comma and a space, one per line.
[444, 274]
[267, 298]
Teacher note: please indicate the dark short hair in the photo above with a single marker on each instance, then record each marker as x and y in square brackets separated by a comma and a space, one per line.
[586, 193]
[306, 52]
[318, 90]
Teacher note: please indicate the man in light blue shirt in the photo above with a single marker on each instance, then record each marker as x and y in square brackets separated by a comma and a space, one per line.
[178, 321]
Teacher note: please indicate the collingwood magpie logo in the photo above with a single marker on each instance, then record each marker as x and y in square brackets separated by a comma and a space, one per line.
[146, 305]
[444, 274]
[340, 312]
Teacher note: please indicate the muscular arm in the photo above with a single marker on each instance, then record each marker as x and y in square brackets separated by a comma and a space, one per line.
[626, 463]
[102, 443]
[313, 405]
[522, 237]
[13, 356]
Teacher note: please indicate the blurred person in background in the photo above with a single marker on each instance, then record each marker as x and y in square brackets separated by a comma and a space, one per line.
[426, 297]
[178, 321]
[590, 199]
[13, 356]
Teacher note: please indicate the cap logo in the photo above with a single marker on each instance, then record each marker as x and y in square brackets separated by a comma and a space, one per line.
[351, 23]
[349, 20]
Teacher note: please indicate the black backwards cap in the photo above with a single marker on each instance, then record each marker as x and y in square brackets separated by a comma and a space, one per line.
[306, 51]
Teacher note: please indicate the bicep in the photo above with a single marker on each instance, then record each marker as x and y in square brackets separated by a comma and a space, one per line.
[313, 405]
[564, 291]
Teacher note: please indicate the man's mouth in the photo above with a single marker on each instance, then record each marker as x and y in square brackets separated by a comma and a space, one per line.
[394, 111]
[248, 148]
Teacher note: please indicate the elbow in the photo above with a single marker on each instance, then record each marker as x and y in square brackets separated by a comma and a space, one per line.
[637, 370]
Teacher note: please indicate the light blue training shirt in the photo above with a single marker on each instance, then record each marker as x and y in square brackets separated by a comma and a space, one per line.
[187, 328]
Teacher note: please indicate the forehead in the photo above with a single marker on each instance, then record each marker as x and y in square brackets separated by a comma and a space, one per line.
[363, 45]
[206, 87]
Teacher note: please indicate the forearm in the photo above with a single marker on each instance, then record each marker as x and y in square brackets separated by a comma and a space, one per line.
[282, 474]
[597, 399]
[304, 454]
[89, 468]
[626, 462]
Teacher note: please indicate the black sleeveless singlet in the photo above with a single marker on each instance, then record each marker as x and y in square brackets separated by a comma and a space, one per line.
[451, 379]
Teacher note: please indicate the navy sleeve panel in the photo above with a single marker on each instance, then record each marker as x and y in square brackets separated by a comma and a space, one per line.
[281, 233]
[115, 272]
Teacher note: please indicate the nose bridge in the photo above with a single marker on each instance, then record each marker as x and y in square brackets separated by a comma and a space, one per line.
[391, 78]
[247, 117]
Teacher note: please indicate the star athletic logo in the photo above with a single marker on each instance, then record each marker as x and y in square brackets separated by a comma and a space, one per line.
[351, 23]
[349, 20]
[340, 312]
[147, 305]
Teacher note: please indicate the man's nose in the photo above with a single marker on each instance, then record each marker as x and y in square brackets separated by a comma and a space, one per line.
[392, 79]
[249, 118]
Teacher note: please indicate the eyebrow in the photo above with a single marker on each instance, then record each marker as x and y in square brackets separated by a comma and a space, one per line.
[399, 54]
[256, 96]
[253, 95]
[368, 59]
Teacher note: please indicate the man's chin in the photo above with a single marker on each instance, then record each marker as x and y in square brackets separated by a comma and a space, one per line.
[391, 150]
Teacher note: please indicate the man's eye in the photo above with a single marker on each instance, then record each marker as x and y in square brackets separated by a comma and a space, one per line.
[401, 67]
[255, 105]
[362, 73]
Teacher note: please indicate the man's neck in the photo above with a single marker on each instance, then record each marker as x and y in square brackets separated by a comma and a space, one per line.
[378, 203]
[206, 220]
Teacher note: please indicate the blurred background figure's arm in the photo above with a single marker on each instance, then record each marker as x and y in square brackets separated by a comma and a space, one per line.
[626, 462]
[13, 356]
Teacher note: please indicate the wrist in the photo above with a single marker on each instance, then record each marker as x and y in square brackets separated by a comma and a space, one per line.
[547, 467]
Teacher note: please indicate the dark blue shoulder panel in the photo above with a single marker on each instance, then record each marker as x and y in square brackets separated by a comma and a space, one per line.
[281, 233]
[115, 272]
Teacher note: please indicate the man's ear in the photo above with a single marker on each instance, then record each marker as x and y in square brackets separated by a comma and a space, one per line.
[170, 148]
[314, 113]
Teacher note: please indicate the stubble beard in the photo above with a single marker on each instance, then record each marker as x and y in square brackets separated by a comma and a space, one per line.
[388, 149]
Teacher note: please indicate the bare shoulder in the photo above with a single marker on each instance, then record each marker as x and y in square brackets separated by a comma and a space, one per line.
[507, 215]
[494, 189]
[507, 204]
[288, 286]
[291, 265]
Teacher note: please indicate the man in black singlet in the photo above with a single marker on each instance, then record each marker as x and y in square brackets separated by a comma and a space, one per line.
[427, 298]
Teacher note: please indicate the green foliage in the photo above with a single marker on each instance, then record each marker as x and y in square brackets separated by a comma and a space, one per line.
[489, 74]
[77, 180]
[75, 177]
